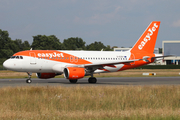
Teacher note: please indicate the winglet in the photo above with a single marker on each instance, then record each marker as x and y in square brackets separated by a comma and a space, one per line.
[147, 41]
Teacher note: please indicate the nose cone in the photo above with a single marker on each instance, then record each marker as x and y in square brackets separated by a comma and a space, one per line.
[6, 64]
[12, 64]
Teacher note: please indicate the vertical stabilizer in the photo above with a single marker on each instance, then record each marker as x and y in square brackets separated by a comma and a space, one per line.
[147, 41]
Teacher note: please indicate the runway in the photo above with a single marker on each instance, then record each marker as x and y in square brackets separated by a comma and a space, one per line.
[101, 81]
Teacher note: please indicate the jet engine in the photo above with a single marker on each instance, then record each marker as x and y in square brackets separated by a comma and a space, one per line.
[74, 73]
[46, 75]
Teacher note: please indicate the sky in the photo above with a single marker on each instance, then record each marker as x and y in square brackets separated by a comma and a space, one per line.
[112, 22]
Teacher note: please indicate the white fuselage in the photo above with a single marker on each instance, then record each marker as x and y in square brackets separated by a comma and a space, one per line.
[57, 64]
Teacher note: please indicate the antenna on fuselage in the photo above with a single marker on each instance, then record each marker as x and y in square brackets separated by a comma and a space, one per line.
[31, 49]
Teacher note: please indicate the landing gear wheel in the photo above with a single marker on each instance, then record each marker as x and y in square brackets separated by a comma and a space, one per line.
[92, 80]
[73, 81]
[28, 81]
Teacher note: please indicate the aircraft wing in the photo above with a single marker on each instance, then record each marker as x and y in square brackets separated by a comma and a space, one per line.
[107, 63]
[111, 64]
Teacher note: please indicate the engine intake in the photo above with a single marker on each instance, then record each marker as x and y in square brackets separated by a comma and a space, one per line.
[74, 73]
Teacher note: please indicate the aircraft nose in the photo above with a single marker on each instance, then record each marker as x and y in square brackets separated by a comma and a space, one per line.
[7, 64]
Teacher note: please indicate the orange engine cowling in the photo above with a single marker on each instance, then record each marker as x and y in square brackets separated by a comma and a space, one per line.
[45, 75]
[74, 73]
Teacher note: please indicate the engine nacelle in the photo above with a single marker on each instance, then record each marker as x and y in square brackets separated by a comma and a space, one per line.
[74, 73]
[46, 75]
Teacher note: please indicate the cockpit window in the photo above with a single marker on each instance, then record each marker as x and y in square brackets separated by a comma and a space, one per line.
[13, 57]
[17, 57]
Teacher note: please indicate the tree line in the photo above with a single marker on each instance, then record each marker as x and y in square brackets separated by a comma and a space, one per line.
[42, 42]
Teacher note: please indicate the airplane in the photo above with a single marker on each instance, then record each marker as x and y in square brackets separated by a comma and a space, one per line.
[78, 64]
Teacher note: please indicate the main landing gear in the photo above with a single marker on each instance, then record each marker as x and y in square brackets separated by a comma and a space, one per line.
[29, 79]
[92, 80]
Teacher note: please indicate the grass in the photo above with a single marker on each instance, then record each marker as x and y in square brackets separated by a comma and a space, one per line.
[91, 103]
[127, 73]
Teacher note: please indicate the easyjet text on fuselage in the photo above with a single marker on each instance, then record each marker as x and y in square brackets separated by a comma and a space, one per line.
[54, 54]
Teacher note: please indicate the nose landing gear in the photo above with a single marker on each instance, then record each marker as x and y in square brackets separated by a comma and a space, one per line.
[29, 79]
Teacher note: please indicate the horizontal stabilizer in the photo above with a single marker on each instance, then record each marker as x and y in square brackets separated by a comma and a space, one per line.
[163, 56]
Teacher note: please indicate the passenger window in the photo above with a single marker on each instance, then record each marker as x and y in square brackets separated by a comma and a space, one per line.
[17, 57]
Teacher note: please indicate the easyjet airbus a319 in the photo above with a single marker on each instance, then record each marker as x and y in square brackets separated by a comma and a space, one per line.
[77, 64]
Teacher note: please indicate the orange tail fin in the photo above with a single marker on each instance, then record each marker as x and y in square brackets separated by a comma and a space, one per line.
[147, 41]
